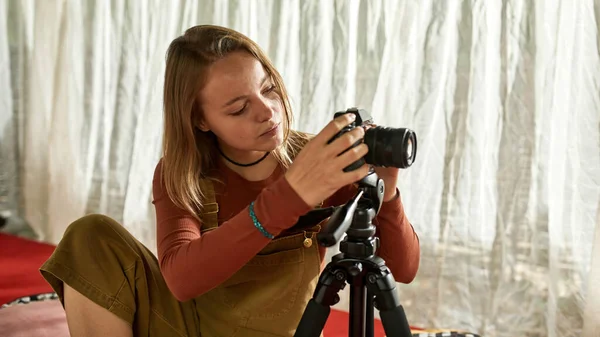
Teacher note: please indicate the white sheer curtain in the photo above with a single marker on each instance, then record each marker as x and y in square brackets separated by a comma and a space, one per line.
[504, 97]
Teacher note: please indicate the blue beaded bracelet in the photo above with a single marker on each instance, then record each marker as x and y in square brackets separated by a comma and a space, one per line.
[257, 223]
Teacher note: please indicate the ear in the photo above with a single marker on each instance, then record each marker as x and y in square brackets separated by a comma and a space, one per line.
[197, 118]
[201, 124]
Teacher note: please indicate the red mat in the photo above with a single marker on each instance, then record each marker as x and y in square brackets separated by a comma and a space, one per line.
[20, 260]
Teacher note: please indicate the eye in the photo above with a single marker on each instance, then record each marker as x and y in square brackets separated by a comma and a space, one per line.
[271, 88]
[239, 112]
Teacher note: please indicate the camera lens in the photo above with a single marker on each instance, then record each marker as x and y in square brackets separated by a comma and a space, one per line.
[391, 147]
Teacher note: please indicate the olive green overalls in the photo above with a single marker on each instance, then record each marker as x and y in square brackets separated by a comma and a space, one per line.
[100, 259]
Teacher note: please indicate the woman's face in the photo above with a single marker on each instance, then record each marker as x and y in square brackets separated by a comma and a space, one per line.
[241, 107]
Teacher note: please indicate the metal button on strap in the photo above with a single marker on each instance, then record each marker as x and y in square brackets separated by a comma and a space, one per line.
[307, 241]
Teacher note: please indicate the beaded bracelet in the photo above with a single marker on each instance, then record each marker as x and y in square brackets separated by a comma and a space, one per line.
[257, 223]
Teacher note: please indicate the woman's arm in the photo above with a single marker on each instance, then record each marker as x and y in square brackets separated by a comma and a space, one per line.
[193, 263]
[399, 243]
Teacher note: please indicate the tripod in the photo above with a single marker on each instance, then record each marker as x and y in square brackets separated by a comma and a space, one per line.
[372, 284]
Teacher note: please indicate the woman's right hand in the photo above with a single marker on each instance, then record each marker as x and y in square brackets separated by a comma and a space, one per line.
[318, 170]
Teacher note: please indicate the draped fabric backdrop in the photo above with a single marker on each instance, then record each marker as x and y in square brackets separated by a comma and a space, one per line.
[503, 95]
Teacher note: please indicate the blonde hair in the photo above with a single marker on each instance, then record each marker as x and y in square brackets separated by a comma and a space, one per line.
[189, 154]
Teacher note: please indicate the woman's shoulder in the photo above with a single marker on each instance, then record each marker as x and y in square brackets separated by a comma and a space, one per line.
[158, 170]
[158, 187]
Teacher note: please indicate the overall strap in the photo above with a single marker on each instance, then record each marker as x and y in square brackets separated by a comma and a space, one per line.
[210, 208]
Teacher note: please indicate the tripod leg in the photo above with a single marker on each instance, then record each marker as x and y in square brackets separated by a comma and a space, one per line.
[370, 316]
[391, 312]
[313, 320]
[357, 311]
[395, 323]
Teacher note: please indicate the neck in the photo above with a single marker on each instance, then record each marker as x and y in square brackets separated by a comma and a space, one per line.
[252, 166]
[258, 172]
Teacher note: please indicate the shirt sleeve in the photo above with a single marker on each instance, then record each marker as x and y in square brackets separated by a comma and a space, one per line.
[399, 244]
[193, 263]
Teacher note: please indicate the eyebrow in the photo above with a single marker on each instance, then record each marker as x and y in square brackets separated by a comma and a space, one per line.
[233, 100]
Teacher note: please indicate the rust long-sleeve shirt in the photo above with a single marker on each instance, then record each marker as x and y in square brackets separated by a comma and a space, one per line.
[194, 263]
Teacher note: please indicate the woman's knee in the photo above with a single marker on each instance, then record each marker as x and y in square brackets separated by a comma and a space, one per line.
[97, 232]
[93, 226]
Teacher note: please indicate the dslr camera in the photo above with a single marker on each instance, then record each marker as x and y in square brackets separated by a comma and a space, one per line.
[388, 147]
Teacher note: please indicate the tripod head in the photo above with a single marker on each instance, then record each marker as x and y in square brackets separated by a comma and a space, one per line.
[355, 219]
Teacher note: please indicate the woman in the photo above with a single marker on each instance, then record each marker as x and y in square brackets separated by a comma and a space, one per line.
[232, 183]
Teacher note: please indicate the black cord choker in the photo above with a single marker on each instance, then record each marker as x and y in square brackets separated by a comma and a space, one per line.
[239, 164]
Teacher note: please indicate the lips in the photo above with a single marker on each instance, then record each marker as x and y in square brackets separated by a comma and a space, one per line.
[271, 129]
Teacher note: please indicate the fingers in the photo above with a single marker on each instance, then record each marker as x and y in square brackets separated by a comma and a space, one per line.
[348, 139]
[347, 158]
[352, 155]
[333, 127]
[356, 175]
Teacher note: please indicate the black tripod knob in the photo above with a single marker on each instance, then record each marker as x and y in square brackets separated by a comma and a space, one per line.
[356, 269]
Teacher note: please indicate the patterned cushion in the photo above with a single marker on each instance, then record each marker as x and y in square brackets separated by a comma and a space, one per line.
[29, 299]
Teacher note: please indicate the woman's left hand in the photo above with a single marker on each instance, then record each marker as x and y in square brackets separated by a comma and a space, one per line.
[390, 180]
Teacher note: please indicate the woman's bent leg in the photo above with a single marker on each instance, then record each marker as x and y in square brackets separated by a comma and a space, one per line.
[102, 261]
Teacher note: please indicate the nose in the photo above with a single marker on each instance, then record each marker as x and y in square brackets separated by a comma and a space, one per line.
[264, 110]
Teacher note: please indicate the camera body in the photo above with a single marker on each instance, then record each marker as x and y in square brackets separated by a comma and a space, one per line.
[388, 147]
